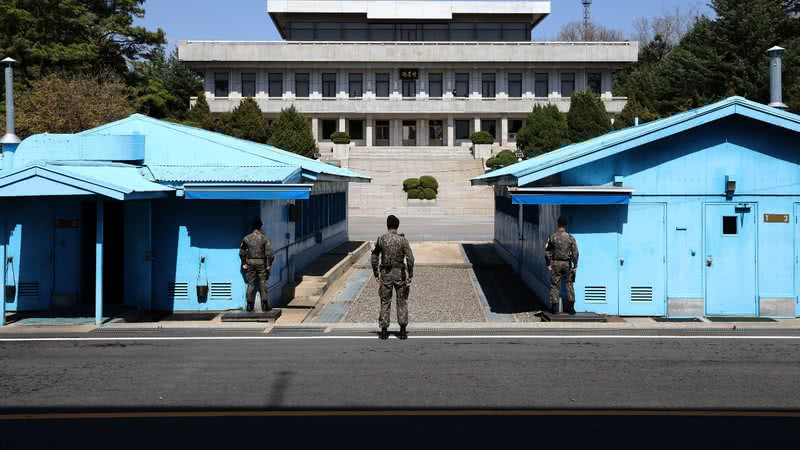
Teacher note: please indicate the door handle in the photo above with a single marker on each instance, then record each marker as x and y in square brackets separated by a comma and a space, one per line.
[709, 261]
[622, 261]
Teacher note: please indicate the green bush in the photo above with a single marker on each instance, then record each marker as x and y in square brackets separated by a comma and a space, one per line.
[340, 137]
[481, 137]
[503, 159]
[291, 131]
[632, 110]
[428, 181]
[410, 183]
[587, 117]
[545, 130]
[428, 194]
[414, 193]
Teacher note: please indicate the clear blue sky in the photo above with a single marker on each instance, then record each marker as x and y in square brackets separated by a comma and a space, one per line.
[248, 19]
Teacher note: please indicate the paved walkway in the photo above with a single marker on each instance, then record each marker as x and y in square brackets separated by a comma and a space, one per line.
[416, 229]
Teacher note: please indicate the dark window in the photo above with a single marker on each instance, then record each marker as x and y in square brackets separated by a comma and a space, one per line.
[301, 31]
[542, 85]
[329, 85]
[356, 85]
[435, 32]
[462, 32]
[276, 84]
[567, 84]
[514, 125]
[356, 129]
[248, 84]
[381, 32]
[301, 85]
[489, 32]
[462, 129]
[436, 132]
[221, 84]
[489, 85]
[515, 85]
[530, 214]
[329, 31]
[462, 85]
[355, 32]
[409, 132]
[382, 84]
[504, 205]
[594, 82]
[409, 88]
[328, 128]
[516, 32]
[382, 132]
[489, 126]
[407, 32]
[730, 225]
[435, 84]
[318, 212]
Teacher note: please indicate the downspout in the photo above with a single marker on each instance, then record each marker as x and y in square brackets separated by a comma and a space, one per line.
[10, 141]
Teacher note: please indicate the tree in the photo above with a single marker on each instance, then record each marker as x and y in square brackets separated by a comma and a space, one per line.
[70, 104]
[164, 85]
[633, 110]
[74, 36]
[200, 114]
[545, 130]
[503, 159]
[587, 117]
[577, 31]
[292, 132]
[245, 122]
[671, 26]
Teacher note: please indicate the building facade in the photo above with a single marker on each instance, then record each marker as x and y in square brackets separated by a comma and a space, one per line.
[692, 215]
[407, 73]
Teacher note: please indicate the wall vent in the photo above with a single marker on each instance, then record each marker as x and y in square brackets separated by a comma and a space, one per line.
[594, 294]
[30, 290]
[221, 290]
[641, 293]
[178, 290]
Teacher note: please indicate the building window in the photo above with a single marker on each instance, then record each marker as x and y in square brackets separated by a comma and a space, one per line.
[489, 126]
[515, 85]
[514, 125]
[462, 129]
[381, 132]
[730, 225]
[356, 85]
[329, 85]
[382, 84]
[567, 84]
[542, 85]
[409, 88]
[594, 82]
[302, 86]
[489, 85]
[221, 84]
[275, 84]
[329, 31]
[407, 32]
[300, 31]
[248, 84]
[435, 32]
[409, 132]
[435, 84]
[356, 129]
[489, 32]
[381, 32]
[355, 32]
[328, 128]
[436, 132]
[462, 85]
[516, 32]
[462, 32]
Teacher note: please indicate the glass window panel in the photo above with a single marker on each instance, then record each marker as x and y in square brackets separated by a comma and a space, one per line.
[515, 85]
[435, 32]
[275, 84]
[355, 32]
[407, 32]
[462, 129]
[730, 225]
[516, 32]
[594, 81]
[248, 84]
[409, 88]
[329, 31]
[489, 32]
[488, 85]
[381, 32]
[301, 31]
[462, 85]
[542, 85]
[382, 84]
[567, 84]
[301, 85]
[435, 84]
[221, 84]
[489, 126]
[462, 32]
[328, 128]
[356, 129]
[329, 85]
[356, 85]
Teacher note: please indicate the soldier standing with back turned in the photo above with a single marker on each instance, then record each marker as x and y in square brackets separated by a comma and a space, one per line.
[255, 252]
[393, 268]
[561, 256]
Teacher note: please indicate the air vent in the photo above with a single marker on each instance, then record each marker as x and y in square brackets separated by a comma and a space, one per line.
[29, 290]
[221, 290]
[594, 294]
[641, 293]
[178, 290]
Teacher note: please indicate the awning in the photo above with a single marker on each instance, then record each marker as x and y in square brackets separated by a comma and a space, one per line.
[214, 191]
[571, 195]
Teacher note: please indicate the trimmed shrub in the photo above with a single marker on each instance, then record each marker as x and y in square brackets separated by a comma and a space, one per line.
[428, 181]
[503, 159]
[291, 131]
[414, 193]
[481, 137]
[411, 183]
[340, 137]
[545, 130]
[428, 194]
[587, 117]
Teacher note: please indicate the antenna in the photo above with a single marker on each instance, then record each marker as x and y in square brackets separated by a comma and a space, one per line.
[587, 12]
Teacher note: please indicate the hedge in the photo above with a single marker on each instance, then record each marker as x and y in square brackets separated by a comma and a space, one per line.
[340, 137]
[503, 159]
[481, 137]
[425, 187]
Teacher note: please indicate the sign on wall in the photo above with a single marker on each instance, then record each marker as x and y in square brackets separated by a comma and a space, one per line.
[776, 218]
[409, 74]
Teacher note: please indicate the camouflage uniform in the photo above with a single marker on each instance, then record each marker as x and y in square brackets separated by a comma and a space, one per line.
[395, 257]
[256, 251]
[561, 254]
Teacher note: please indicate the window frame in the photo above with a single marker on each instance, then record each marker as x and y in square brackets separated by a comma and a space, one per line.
[464, 136]
[537, 82]
[275, 81]
[326, 84]
[489, 86]
[218, 80]
[592, 78]
[306, 82]
[249, 83]
[439, 83]
[464, 82]
[355, 83]
[380, 82]
[571, 88]
[518, 84]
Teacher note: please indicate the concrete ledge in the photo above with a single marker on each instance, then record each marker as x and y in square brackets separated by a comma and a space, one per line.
[686, 307]
[776, 307]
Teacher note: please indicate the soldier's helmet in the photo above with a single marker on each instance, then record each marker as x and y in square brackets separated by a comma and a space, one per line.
[563, 222]
[257, 223]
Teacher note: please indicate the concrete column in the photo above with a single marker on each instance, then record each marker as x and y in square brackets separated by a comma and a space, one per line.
[368, 131]
[422, 132]
[451, 131]
[476, 125]
[98, 266]
[315, 128]
[3, 298]
[342, 124]
[504, 131]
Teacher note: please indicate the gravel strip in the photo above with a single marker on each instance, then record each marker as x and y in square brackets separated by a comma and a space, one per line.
[437, 295]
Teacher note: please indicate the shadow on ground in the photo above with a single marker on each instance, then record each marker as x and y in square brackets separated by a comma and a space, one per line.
[504, 290]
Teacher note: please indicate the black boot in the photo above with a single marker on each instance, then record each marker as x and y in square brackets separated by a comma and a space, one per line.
[250, 307]
[554, 308]
[265, 307]
[403, 333]
[384, 334]
[571, 310]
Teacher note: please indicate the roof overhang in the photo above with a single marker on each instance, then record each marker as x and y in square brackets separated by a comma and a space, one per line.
[571, 195]
[227, 191]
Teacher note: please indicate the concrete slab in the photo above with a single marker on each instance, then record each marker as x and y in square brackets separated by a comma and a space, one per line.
[292, 316]
[418, 229]
[438, 253]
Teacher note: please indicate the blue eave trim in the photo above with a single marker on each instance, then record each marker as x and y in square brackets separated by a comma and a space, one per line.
[246, 192]
[561, 199]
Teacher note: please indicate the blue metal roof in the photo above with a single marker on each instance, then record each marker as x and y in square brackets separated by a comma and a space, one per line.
[565, 158]
[220, 174]
[172, 144]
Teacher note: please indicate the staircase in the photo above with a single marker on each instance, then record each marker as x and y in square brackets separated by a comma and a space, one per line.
[453, 167]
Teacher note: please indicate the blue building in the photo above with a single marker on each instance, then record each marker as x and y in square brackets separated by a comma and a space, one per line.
[139, 212]
[695, 214]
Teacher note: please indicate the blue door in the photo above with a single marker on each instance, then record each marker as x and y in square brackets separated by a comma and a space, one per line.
[642, 261]
[29, 244]
[730, 259]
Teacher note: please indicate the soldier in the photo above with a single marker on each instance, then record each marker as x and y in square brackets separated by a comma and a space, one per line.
[561, 256]
[255, 251]
[393, 267]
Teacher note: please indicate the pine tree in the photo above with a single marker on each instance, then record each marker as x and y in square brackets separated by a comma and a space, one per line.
[545, 130]
[587, 117]
[632, 110]
[248, 122]
[200, 114]
[292, 132]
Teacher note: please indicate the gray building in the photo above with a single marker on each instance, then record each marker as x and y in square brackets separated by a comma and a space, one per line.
[407, 73]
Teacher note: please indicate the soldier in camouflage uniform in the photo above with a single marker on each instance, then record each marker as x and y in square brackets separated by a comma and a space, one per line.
[561, 256]
[255, 251]
[393, 268]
